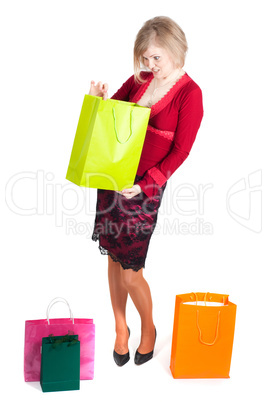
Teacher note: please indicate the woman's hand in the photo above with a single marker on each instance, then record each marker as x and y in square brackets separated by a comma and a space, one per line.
[131, 192]
[99, 89]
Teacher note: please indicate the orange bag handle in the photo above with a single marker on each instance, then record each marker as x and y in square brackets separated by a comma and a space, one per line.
[217, 330]
[210, 297]
[198, 327]
[205, 298]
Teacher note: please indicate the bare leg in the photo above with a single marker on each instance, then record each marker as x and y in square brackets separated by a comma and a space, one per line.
[139, 291]
[118, 295]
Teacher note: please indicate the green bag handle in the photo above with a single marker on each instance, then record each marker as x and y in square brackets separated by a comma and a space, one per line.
[115, 128]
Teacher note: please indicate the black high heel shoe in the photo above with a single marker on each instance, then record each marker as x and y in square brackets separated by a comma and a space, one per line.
[120, 360]
[140, 358]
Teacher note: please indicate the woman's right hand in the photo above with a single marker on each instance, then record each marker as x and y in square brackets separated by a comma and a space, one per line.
[99, 89]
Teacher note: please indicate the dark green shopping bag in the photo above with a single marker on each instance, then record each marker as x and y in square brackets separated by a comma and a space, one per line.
[108, 143]
[60, 363]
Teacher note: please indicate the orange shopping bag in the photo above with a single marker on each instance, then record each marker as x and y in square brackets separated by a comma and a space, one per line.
[203, 334]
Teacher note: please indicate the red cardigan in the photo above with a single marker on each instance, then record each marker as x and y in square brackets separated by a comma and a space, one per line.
[172, 128]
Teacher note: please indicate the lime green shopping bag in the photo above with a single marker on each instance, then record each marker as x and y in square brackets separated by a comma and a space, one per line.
[108, 143]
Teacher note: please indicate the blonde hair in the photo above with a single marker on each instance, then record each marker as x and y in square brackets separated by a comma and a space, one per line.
[167, 35]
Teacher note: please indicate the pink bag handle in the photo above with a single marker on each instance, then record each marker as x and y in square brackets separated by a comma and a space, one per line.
[58, 300]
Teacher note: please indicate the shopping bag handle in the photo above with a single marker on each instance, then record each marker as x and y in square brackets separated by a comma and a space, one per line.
[225, 298]
[115, 127]
[205, 298]
[198, 327]
[58, 300]
[217, 330]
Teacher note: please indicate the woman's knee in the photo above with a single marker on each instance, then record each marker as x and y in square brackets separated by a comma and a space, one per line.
[131, 278]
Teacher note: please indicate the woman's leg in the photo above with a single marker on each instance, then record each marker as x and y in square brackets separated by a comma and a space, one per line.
[118, 295]
[139, 291]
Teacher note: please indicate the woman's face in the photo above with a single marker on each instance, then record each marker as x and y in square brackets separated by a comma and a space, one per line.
[157, 59]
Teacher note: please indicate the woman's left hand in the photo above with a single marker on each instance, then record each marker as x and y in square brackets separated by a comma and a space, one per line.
[131, 192]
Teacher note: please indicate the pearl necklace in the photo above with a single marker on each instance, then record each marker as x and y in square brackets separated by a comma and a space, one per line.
[150, 102]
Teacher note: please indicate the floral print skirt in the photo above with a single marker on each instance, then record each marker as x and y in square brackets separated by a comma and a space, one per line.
[124, 226]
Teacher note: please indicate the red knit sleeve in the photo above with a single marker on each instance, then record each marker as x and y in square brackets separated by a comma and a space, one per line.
[124, 92]
[190, 116]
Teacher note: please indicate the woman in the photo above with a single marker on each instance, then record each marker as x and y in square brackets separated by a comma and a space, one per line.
[125, 221]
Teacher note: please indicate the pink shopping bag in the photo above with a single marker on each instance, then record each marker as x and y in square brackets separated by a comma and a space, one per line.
[35, 330]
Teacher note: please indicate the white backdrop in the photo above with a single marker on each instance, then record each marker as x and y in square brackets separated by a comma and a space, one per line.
[210, 234]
